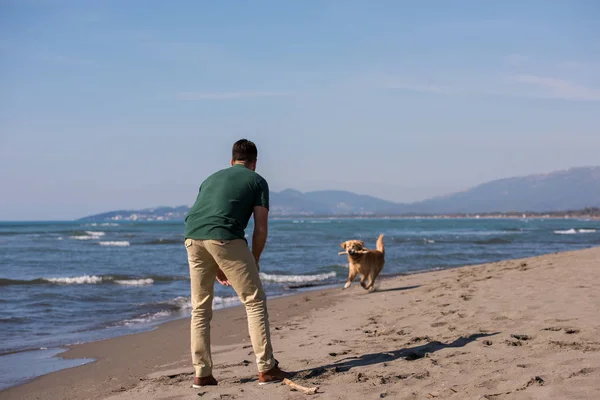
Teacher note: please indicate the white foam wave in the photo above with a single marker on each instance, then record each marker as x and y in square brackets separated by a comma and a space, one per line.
[93, 233]
[109, 224]
[85, 237]
[135, 282]
[121, 243]
[146, 318]
[181, 303]
[224, 301]
[573, 231]
[296, 278]
[77, 280]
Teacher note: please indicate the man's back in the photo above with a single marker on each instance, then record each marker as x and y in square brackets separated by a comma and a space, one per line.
[225, 204]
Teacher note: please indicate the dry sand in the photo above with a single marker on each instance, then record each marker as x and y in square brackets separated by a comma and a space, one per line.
[519, 329]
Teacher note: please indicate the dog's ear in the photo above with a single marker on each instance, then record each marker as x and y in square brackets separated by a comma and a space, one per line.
[362, 244]
[344, 245]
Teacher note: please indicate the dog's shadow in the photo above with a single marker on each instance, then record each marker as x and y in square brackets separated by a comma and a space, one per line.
[408, 354]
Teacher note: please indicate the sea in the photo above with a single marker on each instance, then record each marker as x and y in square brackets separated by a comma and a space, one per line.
[64, 283]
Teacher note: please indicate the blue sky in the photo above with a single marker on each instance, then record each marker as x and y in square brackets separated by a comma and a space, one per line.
[131, 104]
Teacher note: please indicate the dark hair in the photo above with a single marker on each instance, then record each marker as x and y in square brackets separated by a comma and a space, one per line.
[244, 150]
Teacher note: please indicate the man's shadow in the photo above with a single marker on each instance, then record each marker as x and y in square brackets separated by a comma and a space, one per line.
[409, 354]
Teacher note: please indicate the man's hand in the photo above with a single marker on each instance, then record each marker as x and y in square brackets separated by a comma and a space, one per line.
[222, 278]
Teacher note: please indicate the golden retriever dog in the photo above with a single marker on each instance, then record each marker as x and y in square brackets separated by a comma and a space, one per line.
[367, 263]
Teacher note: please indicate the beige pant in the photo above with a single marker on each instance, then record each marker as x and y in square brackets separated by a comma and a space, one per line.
[234, 257]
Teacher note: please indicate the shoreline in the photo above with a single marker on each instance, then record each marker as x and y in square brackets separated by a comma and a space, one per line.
[295, 289]
[122, 362]
[115, 351]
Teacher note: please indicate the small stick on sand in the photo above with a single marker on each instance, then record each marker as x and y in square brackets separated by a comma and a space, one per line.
[299, 388]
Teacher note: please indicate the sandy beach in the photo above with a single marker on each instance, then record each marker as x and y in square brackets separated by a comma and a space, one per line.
[518, 329]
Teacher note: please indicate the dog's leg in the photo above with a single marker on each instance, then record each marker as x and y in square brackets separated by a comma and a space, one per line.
[363, 282]
[371, 286]
[351, 276]
[372, 278]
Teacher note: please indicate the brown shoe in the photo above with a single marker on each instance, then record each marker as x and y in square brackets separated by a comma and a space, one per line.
[272, 376]
[204, 381]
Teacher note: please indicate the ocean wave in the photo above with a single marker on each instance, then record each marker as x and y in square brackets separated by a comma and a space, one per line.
[179, 303]
[95, 233]
[9, 282]
[182, 303]
[102, 224]
[134, 282]
[164, 241]
[94, 280]
[296, 278]
[574, 231]
[493, 241]
[87, 235]
[41, 232]
[119, 243]
[77, 280]
[146, 318]
[172, 308]
[225, 301]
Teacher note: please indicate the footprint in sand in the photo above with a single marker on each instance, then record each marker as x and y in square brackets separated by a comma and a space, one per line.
[436, 324]
[585, 346]
[583, 371]
[418, 339]
[514, 343]
[343, 353]
[537, 381]
[552, 329]
[523, 267]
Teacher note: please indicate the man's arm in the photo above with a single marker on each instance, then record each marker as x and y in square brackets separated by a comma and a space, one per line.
[261, 231]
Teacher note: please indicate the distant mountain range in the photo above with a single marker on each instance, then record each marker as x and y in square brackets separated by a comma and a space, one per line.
[572, 189]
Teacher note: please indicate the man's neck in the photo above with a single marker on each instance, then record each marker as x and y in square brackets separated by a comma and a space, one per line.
[243, 164]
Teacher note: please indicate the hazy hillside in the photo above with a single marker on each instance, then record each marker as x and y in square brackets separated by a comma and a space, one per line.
[572, 189]
[325, 202]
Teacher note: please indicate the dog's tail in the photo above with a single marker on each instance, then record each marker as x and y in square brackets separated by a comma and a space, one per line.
[380, 244]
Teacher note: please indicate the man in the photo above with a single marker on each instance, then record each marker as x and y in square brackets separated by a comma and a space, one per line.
[217, 249]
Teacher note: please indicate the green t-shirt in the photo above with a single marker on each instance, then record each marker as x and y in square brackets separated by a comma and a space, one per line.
[225, 203]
